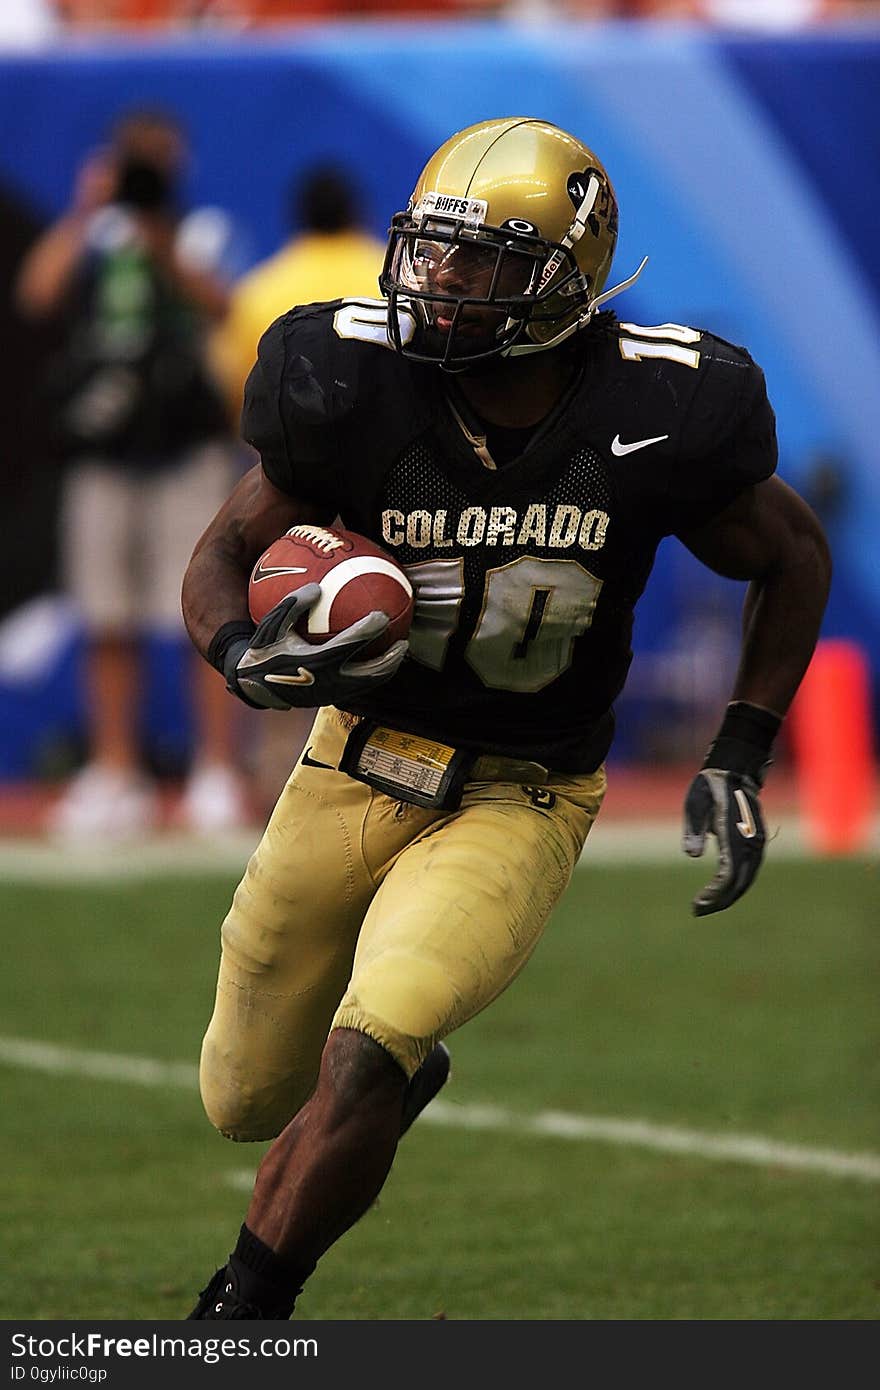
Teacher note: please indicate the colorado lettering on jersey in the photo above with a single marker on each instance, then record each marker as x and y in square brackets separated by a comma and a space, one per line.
[563, 527]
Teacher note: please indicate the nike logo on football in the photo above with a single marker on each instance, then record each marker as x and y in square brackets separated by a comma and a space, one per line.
[746, 824]
[270, 571]
[312, 762]
[619, 449]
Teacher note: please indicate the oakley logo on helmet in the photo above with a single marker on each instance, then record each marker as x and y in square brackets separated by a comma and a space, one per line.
[519, 225]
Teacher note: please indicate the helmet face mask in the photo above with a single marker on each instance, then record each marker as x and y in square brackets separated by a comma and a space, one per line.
[472, 293]
[504, 248]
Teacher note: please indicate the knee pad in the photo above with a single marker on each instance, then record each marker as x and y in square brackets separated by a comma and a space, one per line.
[239, 1106]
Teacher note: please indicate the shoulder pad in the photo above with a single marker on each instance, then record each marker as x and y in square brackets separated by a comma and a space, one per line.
[326, 377]
[711, 398]
[332, 355]
[730, 399]
[715, 383]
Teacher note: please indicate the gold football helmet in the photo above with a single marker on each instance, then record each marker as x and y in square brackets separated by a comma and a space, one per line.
[505, 246]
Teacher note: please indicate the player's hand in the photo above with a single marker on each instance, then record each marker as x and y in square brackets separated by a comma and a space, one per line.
[275, 668]
[727, 805]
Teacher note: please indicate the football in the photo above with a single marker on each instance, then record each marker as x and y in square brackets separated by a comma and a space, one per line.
[356, 577]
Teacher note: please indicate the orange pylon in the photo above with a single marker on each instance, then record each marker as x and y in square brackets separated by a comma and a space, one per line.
[833, 745]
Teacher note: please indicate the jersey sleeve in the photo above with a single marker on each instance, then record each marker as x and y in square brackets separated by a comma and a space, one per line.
[730, 440]
[287, 417]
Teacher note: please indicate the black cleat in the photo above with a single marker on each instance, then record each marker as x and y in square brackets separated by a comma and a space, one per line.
[219, 1301]
[430, 1078]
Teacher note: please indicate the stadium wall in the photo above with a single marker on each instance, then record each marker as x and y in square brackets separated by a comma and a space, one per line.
[745, 167]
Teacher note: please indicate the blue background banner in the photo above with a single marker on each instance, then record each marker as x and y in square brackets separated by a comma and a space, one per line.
[746, 170]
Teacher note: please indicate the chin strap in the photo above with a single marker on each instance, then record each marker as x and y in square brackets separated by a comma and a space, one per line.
[521, 349]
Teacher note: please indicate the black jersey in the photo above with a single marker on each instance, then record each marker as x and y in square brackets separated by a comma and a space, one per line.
[526, 575]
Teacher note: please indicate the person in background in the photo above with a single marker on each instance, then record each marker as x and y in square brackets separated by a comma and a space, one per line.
[749, 14]
[143, 433]
[329, 254]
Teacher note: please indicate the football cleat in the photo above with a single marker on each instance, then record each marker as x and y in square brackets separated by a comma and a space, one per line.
[430, 1078]
[219, 1301]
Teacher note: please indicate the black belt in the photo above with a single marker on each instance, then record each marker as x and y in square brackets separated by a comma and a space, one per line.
[425, 771]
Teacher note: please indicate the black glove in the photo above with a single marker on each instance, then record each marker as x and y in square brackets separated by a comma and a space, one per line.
[275, 668]
[724, 800]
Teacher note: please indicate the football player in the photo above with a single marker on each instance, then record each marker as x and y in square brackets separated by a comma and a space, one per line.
[522, 453]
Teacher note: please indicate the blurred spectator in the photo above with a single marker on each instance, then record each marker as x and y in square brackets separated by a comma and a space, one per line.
[243, 14]
[545, 11]
[751, 14]
[762, 14]
[754, 14]
[143, 431]
[330, 254]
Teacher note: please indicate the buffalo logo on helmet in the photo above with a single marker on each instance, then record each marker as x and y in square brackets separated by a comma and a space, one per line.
[604, 208]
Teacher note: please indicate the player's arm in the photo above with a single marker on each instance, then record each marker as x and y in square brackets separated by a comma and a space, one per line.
[269, 665]
[215, 584]
[771, 538]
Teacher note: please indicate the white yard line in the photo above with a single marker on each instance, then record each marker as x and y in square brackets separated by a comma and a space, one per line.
[43, 861]
[737, 1148]
[100, 1066]
[611, 842]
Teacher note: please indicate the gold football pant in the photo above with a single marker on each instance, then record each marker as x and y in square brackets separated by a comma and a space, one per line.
[358, 911]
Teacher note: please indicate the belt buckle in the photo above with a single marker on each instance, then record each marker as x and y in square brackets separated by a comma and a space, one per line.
[407, 767]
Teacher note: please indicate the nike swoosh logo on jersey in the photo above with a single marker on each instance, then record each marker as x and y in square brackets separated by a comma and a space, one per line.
[312, 762]
[269, 571]
[619, 449]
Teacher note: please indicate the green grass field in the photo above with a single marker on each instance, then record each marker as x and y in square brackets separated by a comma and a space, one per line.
[119, 1199]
